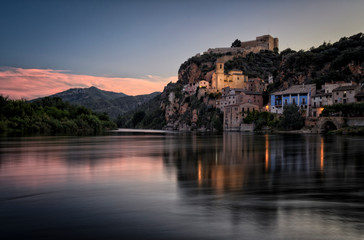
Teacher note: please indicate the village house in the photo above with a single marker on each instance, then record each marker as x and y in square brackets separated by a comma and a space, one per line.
[359, 97]
[236, 104]
[345, 94]
[190, 88]
[297, 94]
[203, 84]
[234, 114]
[232, 118]
[324, 97]
[256, 85]
[239, 96]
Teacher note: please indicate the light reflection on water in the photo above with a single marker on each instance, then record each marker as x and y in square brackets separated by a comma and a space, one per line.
[162, 186]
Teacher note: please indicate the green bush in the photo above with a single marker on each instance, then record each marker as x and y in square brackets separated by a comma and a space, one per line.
[292, 118]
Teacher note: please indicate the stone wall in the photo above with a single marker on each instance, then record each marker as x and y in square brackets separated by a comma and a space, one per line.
[355, 122]
[247, 127]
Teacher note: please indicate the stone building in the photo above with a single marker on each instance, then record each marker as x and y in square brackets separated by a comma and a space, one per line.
[256, 85]
[232, 117]
[190, 88]
[203, 84]
[265, 42]
[324, 97]
[234, 79]
[236, 104]
[345, 94]
[239, 96]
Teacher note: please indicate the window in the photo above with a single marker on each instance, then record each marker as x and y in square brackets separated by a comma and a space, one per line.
[294, 101]
[344, 93]
[220, 66]
[285, 101]
[303, 100]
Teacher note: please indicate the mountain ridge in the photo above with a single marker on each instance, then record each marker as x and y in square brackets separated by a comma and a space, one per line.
[112, 103]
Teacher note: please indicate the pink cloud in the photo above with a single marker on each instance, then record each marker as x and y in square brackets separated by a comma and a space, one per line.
[33, 83]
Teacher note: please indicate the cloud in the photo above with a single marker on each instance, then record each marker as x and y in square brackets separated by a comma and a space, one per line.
[33, 83]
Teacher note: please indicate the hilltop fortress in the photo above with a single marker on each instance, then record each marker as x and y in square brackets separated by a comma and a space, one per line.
[265, 42]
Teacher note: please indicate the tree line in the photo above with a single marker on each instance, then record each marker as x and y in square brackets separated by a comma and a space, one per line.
[50, 116]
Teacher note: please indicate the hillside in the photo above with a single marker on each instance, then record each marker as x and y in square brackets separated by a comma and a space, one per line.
[339, 61]
[102, 101]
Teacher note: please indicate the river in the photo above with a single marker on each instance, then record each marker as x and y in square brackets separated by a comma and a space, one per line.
[155, 185]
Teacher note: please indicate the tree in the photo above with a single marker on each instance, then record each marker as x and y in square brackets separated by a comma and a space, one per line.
[292, 118]
[138, 117]
[236, 43]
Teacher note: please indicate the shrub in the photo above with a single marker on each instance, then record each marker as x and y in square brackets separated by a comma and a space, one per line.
[292, 118]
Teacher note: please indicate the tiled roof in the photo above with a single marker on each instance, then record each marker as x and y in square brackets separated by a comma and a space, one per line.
[296, 89]
[344, 88]
[361, 94]
[322, 94]
[251, 93]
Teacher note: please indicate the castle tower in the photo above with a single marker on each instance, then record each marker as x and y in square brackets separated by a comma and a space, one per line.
[220, 75]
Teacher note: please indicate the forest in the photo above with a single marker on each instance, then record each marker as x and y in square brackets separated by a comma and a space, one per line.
[50, 116]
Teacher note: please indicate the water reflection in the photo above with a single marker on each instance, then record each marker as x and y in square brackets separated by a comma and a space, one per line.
[276, 185]
[161, 186]
[237, 162]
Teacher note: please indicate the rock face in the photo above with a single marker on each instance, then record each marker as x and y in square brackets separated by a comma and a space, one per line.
[190, 74]
[188, 112]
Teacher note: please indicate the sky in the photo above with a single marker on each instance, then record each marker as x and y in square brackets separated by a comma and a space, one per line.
[136, 47]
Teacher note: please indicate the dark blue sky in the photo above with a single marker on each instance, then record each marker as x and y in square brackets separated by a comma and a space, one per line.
[140, 38]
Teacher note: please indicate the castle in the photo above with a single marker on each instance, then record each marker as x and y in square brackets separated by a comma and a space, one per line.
[265, 42]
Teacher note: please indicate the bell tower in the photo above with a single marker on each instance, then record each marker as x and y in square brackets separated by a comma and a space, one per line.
[219, 75]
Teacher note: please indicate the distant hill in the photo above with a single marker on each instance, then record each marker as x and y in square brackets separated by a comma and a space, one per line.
[101, 101]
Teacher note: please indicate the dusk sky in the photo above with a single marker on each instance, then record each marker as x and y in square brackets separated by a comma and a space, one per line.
[136, 47]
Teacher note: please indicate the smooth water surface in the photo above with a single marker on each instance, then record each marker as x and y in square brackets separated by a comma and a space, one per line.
[170, 186]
